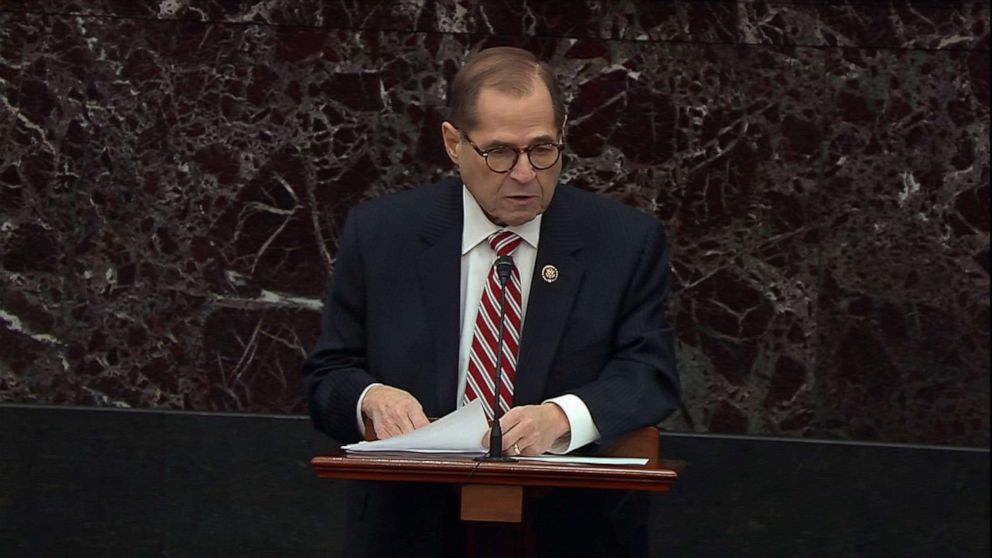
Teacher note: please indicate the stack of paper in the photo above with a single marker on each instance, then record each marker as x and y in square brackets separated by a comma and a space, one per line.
[462, 432]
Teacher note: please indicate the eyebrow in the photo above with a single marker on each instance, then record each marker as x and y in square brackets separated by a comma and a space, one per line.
[536, 141]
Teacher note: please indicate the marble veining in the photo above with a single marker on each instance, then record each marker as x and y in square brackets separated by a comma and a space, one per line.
[174, 176]
[867, 23]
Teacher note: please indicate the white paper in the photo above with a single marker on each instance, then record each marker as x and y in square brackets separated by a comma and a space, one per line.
[462, 432]
[586, 459]
[459, 432]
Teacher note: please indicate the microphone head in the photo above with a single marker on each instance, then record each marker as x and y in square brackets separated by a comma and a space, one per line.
[504, 267]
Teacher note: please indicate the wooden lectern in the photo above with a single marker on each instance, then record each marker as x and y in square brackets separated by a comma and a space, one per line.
[494, 491]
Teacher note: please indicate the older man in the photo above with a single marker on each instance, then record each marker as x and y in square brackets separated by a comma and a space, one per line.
[410, 324]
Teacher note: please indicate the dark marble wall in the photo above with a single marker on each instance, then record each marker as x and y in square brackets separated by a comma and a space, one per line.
[173, 176]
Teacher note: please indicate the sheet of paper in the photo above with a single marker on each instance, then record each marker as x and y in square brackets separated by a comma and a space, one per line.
[460, 431]
[587, 460]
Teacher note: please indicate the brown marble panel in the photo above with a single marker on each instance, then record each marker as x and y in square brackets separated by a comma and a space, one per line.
[913, 25]
[183, 185]
[721, 143]
[172, 189]
[930, 25]
[904, 329]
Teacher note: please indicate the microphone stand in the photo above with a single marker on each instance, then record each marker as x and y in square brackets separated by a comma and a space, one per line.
[504, 268]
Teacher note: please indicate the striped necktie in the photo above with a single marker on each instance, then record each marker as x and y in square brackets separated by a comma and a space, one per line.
[481, 377]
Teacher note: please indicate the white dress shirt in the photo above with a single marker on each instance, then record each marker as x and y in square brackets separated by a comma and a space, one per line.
[476, 261]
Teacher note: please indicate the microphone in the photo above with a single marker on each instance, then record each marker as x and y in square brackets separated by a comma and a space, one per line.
[504, 268]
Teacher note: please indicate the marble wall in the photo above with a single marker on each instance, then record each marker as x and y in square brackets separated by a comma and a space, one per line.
[174, 173]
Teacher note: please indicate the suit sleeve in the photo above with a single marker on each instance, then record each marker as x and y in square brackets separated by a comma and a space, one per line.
[336, 373]
[639, 385]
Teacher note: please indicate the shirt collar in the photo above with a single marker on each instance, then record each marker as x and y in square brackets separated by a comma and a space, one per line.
[477, 227]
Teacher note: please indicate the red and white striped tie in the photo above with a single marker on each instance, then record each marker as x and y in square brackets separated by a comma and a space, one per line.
[481, 377]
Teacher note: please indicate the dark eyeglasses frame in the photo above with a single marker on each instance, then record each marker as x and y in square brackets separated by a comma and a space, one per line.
[516, 153]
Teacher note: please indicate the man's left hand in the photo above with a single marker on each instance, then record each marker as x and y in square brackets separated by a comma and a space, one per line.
[531, 429]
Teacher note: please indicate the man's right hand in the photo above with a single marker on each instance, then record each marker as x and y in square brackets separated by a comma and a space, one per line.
[393, 411]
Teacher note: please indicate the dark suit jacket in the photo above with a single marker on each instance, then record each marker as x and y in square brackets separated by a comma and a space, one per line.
[599, 331]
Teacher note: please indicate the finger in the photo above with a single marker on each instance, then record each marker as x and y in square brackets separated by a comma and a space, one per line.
[513, 441]
[510, 421]
[520, 425]
[419, 419]
[536, 447]
[406, 424]
[395, 428]
[408, 414]
[396, 423]
[382, 431]
[524, 447]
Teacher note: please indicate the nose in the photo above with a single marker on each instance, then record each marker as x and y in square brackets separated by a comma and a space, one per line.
[523, 171]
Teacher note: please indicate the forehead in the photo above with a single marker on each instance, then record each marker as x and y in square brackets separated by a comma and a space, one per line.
[503, 116]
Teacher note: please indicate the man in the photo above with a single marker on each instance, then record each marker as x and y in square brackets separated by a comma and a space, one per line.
[588, 353]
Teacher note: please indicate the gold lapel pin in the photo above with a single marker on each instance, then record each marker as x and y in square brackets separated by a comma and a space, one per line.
[549, 273]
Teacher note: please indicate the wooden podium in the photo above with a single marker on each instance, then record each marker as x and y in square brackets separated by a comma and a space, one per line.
[494, 491]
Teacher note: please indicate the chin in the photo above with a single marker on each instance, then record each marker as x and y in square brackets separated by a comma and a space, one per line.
[516, 220]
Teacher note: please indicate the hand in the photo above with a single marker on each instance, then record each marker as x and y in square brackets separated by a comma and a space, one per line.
[393, 411]
[531, 429]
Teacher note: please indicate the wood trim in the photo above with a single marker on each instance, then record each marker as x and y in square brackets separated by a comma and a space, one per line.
[492, 503]
[657, 475]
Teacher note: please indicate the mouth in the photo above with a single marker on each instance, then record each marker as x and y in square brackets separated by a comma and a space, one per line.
[521, 200]
[522, 197]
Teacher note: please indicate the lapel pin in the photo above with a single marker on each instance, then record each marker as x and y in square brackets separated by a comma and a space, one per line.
[549, 273]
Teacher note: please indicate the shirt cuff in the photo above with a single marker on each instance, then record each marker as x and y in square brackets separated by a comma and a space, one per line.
[582, 430]
[358, 410]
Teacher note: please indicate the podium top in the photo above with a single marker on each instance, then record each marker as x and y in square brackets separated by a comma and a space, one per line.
[658, 475]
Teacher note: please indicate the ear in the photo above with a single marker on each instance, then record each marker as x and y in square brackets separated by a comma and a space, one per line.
[451, 138]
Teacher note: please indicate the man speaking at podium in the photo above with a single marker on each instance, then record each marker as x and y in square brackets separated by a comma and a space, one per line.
[410, 325]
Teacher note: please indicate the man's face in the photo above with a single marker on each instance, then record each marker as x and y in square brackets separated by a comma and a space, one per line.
[517, 196]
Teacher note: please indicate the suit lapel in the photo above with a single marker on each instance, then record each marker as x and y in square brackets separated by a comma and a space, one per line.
[440, 274]
[550, 303]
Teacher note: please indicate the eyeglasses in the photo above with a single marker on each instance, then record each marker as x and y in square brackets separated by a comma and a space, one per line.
[503, 158]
